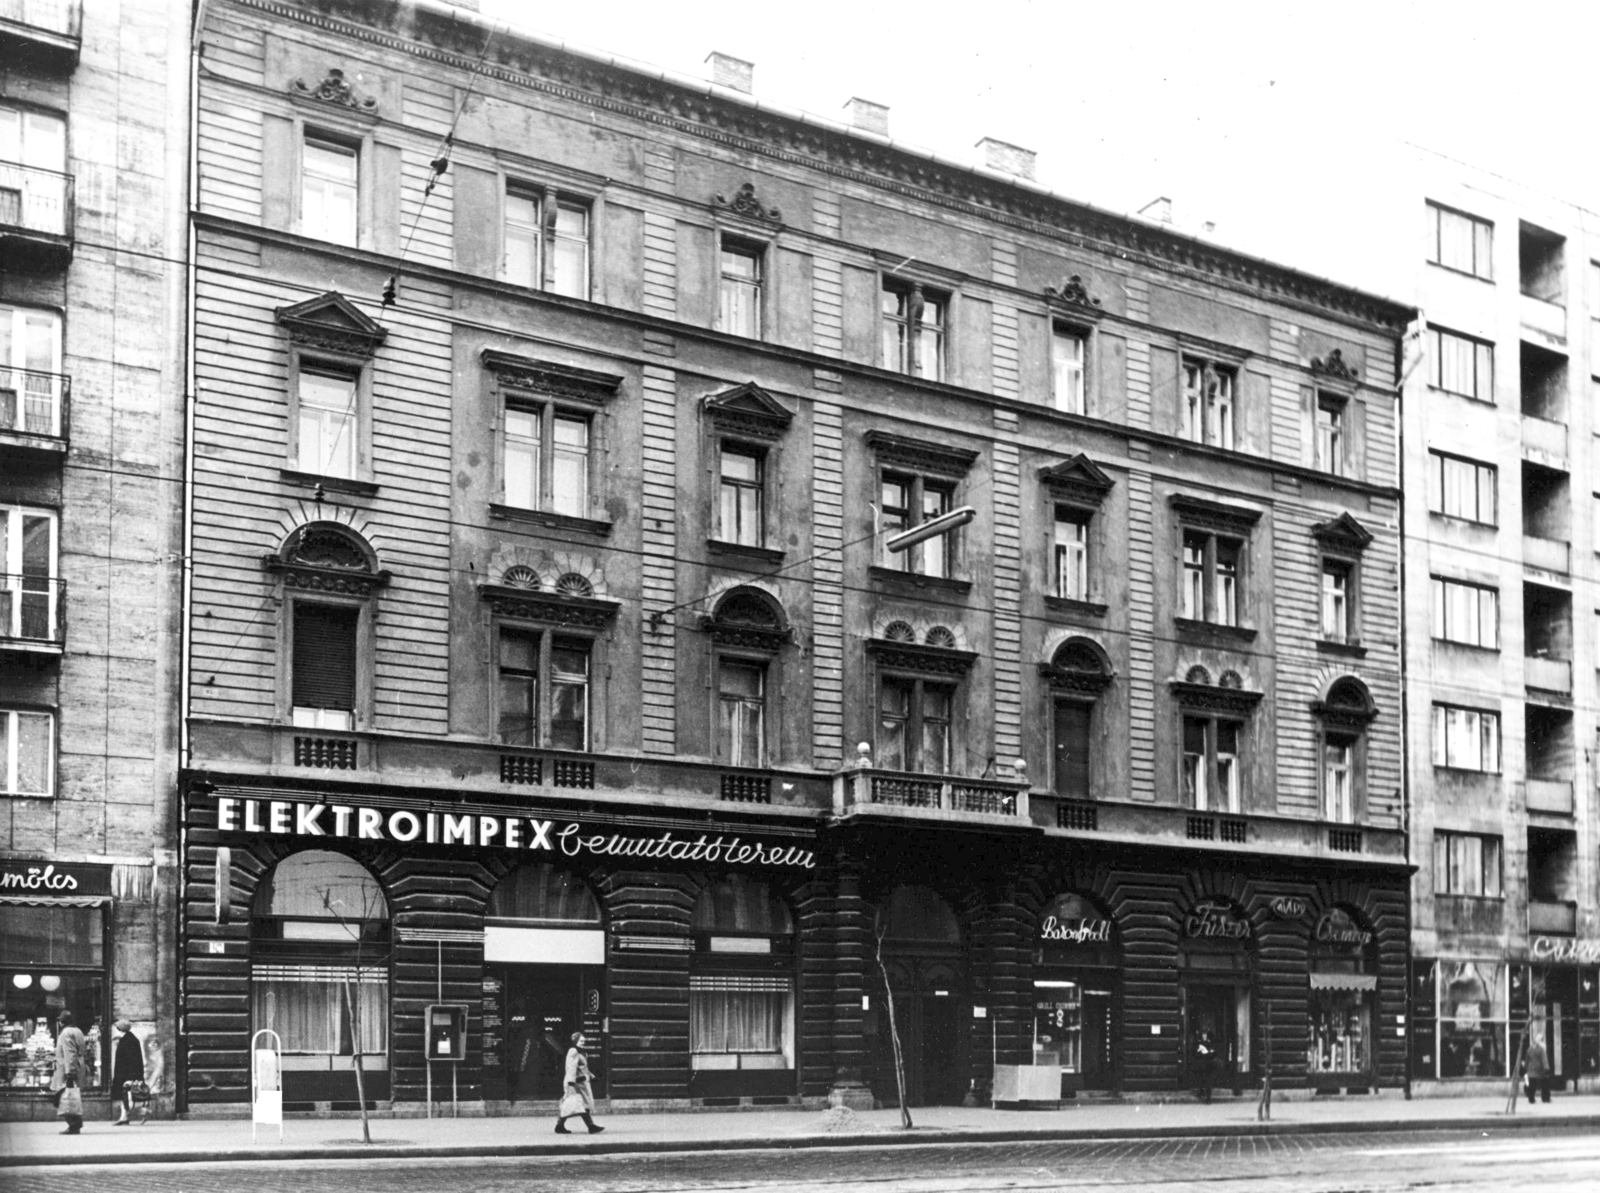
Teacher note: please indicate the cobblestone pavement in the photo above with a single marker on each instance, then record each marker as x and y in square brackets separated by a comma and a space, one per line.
[1377, 1162]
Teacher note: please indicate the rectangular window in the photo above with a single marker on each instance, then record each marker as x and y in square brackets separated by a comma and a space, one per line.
[544, 459]
[29, 585]
[311, 1011]
[329, 180]
[1212, 779]
[740, 1027]
[519, 688]
[1338, 780]
[913, 331]
[569, 694]
[523, 668]
[1072, 732]
[1460, 365]
[1461, 242]
[1461, 488]
[1072, 555]
[740, 515]
[742, 704]
[1466, 738]
[1330, 435]
[907, 501]
[1336, 604]
[1208, 404]
[30, 371]
[546, 241]
[739, 311]
[1211, 576]
[328, 426]
[1466, 864]
[915, 728]
[1466, 613]
[27, 751]
[323, 667]
[1066, 369]
[33, 156]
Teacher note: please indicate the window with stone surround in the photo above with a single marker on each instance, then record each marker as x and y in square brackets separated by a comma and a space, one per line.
[546, 237]
[1208, 402]
[744, 430]
[914, 324]
[330, 176]
[332, 346]
[1466, 738]
[916, 482]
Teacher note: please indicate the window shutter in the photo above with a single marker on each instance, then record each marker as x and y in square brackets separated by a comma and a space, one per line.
[1072, 748]
[325, 657]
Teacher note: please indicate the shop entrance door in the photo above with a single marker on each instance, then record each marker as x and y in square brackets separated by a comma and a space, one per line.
[1098, 1070]
[540, 1007]
[1218, 1010]
[931, 1044]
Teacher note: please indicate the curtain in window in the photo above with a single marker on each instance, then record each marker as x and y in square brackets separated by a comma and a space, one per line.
[736, 1021]
[307, 1010]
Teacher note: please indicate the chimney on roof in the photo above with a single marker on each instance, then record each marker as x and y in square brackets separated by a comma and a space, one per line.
[868, 117]
[1008, 158]
[1158, 209]
[733, 73]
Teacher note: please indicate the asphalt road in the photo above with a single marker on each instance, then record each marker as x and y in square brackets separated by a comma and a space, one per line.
[1436, 1161]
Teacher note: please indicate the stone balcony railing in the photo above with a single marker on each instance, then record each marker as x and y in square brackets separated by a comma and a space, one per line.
[901, 795]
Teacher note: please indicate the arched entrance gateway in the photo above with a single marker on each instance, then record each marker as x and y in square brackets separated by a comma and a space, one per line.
[925, 957]
[544, 953]
[1078, 994]
[319, 976]
[1216, 971]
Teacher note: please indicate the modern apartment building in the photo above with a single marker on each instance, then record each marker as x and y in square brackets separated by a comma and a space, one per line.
[93, 144]
[551, 657]
[1502, 519]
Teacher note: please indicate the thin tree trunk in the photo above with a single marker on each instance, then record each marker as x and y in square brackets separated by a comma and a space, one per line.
[355, 1055]
[894, 1038]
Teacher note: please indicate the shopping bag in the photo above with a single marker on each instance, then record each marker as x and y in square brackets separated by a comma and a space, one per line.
[71, 1104]
[572, 1104]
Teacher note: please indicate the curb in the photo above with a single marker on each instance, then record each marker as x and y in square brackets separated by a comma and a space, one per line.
[927, 1137]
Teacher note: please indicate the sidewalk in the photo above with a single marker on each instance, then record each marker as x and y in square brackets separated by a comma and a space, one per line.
[339, 1138]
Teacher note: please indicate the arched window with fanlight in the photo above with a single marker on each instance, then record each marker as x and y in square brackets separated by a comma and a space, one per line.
[1076, 676]
[1344, 713]
[319, 950]
[748, 631]
[742, 992]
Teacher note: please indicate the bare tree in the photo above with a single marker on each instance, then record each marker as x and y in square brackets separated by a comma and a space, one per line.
[352, 1004]
[1535, 1000]
[879, 928]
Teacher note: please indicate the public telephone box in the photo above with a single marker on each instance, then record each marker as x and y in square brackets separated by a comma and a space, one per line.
[446, 1032]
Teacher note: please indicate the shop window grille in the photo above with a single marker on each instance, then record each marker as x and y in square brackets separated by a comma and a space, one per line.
[1344, 840]
[331, 753]
[906, 793]
[747, 789]
[519, 768]
[993, 801]
[1233, 832]
[573, 772]
[1075, 814]
[1201, 828]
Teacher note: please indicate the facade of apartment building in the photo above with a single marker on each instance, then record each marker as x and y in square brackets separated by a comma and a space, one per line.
[93, 143]
[550, 658]
[1502, 521]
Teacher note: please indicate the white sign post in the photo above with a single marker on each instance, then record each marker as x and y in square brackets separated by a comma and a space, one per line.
[266, 1082]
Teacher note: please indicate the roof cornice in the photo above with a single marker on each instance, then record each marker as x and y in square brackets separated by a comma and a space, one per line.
[454, 37]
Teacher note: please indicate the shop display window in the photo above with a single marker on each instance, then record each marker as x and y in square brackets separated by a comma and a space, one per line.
[1341, 1031]
[1472, 1019]
[54, 958]
[741, 987]
[1058, 1025]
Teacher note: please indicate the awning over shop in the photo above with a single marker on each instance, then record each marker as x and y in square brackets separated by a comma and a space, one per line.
[1344, 981]
[54, 900]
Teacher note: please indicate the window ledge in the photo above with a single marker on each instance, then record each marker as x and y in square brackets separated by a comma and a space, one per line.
[333, 484]
[1491, 651]
[1072, 605]
[1349, 650]
[1211, 632]
[549, 520]
[913, 580]
[1466, 770]
[744, 551]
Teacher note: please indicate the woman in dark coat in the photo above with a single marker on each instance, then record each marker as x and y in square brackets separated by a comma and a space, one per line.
[127, 1064]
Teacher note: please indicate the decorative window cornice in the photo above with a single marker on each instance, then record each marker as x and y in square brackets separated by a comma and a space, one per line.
[745, 205]
[1214, 515]
[748, 411]
[1205, 698]
[747, 618]
[744, 636]
[1071, 300]
[1078, 481]
[328, 558]
[335, 89]
[333, 323]
[1343, 535]
[1332, 370]
[919, 455]
[1070, 679]
[552, 609]
[1348, 706]
[924, 660]
[547, 377]
[1213, 351]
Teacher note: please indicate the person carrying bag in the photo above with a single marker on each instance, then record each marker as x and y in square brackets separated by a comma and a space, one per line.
[577, 1096]
[72, 1067]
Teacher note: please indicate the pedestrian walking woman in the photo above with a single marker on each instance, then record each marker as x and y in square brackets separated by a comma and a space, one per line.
[127, 1068]
[1536, 1069]
[577, 1095]
[72, 1067]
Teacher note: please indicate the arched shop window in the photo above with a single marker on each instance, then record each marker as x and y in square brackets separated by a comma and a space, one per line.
[1343, 986]
[319, 977]
[544, 952]
[741, 992]
[1077, 984]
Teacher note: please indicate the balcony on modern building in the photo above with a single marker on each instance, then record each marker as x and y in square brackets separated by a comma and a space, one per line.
[1547, 638]
[1541, 268]
[1546, 518]
[1552, 917]
[42, 32]
[866, 791]
[1544, 442]
[1232, 832]
[36, 216]
[34, 409]
[1551, 758]
[1552, 879]
[32, 614]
